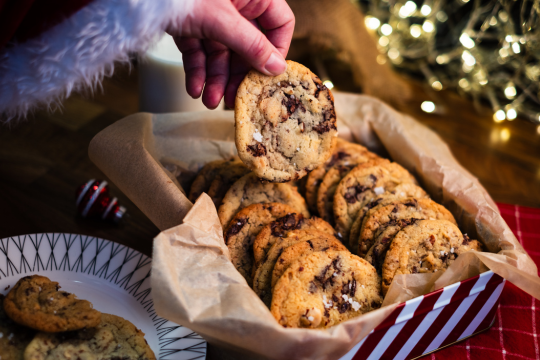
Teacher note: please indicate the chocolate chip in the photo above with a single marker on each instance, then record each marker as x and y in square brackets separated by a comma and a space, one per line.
[344, 307]
[414, 270]
[287, 222]
[312, 287]
[374, 203]
[257, 149]
[301, 268]
[466, 239]
[432, 239]
[335, 298]
[310, 244]
[375, 304]
[372, 177]
[235, 228]
[412, 203]
[325, 126]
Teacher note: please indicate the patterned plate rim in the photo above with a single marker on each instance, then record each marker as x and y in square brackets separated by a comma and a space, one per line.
[164, 328]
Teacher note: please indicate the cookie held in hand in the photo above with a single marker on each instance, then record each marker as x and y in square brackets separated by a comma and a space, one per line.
[36, 302]
[285, 125]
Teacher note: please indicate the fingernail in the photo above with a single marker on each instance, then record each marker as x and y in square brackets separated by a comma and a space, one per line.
[275, 65]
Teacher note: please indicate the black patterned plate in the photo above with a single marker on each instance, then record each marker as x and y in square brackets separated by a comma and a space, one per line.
[115, 278]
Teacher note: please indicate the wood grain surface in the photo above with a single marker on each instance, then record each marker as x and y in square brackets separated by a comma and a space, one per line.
[43, 160]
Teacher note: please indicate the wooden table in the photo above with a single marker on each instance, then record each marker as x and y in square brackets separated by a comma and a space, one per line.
[44, 159]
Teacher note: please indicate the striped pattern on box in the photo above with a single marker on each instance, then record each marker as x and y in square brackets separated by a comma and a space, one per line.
[429, 322]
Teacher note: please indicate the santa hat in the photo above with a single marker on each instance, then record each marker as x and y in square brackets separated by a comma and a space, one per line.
[42, 64]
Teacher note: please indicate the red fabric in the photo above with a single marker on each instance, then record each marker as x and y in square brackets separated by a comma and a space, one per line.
[21, 20]
[516, 332]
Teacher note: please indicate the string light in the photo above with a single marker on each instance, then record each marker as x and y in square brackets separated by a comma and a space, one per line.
[328, 84]
[495, 50]
[372, 22]
[511, 114]
[425, 10]
[499, 115]
[428, 106]
[386, 29]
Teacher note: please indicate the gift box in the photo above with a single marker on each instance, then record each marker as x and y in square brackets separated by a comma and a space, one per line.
[151, 158]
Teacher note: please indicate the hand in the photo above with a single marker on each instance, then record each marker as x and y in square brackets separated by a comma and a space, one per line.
[220, 42]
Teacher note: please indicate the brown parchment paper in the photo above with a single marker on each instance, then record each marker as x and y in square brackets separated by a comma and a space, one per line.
[195, 284]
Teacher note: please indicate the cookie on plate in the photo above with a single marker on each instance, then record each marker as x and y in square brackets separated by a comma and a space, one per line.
[262, 279]
[204, 178]
[14, 337]
[408, 208]
[424, 247]
[113, 338]
[402, 191]
[361, 184]
[286, 124]
[243, 229]
[250, 190]
[346, 154]
[324, 289]
[36, 302]
[224, 177]
[280, 228]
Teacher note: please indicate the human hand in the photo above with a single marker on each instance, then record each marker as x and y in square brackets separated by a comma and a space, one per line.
[220, 42]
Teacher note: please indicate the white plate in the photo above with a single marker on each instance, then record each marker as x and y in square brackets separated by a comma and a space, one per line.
[113, 277]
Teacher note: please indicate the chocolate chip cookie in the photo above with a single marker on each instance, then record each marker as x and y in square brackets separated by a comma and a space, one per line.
[204, 178]
[408, 208]
[325, 288]
[346, 154]
[262, 279]
[402, 191]
[361, 184]
[224, 177]
[280, 228]
[286, 124]
[14, 337]
[250, 190]
[293, 252]
[36, 302]
[113, 338]
[243, 229]
[424, 247]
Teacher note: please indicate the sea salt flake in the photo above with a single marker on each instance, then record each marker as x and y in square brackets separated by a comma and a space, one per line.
[350, 300]
[452, 250]
[356, 306]
[257, 136]
[345, 297]
[379, 190]
[335, 274]
[311, 318]
[297, 149]
[363, 286]
[442, 253]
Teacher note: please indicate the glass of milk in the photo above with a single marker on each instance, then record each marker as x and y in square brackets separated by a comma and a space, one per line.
[162, 80]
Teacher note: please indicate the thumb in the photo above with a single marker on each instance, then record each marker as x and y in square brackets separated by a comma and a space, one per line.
[238, 34]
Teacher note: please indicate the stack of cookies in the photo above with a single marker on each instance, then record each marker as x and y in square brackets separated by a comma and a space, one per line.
[374, 222]
[40, 322]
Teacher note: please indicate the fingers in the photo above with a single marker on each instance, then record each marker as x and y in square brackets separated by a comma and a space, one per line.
[217, 73]
[236, 32]
[194, 58]
[276, 17]
[238, 70]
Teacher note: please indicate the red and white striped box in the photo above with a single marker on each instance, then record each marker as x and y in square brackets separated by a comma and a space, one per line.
[433, 321]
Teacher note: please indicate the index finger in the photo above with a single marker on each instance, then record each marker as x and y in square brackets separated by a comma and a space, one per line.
[277, 19]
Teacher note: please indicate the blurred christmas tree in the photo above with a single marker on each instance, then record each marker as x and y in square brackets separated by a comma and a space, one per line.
[486, 49]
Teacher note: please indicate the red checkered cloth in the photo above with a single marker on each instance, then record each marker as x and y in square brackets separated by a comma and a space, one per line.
[516, 331]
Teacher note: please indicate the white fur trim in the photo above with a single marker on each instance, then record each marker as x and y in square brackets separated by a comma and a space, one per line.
[78, 52]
